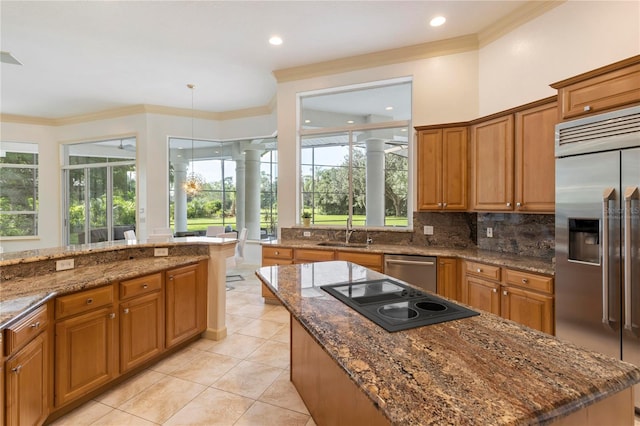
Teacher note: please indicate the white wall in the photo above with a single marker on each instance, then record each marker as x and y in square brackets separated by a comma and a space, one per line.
[571, 39]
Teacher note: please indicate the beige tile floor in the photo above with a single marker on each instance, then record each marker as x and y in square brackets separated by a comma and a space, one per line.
[241, 380]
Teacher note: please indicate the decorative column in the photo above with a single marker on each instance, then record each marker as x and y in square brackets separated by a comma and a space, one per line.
[252, 194]
[240, 192]
[375, 182]
[179, 196]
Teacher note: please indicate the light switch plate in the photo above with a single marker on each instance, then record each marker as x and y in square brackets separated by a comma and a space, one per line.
[306, 233]
[489, 232]
[428, 230]
[64, 264]
[163, 251]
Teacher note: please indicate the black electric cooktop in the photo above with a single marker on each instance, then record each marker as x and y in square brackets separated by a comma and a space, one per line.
[396, 306]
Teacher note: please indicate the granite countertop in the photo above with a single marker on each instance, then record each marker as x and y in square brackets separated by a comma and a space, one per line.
[21, 295]
[525, 263]
[478, 370]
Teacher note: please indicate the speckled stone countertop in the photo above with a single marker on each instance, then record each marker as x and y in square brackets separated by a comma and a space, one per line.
[529, 264]
[29, 277]
[479, 370]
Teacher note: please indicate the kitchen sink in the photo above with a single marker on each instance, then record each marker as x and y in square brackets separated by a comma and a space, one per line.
[340, 244]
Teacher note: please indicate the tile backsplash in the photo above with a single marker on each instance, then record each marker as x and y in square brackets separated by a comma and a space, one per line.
[521, 234]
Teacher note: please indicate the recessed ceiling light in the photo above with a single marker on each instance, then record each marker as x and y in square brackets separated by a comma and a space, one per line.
[437, 21]
[275, 40]
[389, 108]
[350, 122]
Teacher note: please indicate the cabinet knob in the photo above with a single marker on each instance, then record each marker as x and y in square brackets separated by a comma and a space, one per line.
[479, 270]
[112, 315]
[89, 301]
[587, 108]
[444, 204]
[505, 292]
[518, 204]
[126, 310]
[508, 204]
[277, 253]
[35, 324]
[524, 280]
[170, 277]
[494, 290]
[17, 369]
[145, 286]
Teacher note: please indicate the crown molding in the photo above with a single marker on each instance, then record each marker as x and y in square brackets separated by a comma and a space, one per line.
[25, 119]
[518, 17]
[375, 59]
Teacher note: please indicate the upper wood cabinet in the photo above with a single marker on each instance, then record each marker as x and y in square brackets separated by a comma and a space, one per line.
[535, 159]
[492, 149]
[602, 89]
[442, 169]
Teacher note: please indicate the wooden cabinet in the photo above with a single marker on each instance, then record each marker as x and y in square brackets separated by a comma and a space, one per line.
[492, 150]
[535, 159]
[442, 169]
[186, 303]
[603, 89]
[304, 255]
[373, 261]
[141, 320]
[276, 256]
[448, 282]
[27, 383]
[85, 343]
[516, 295]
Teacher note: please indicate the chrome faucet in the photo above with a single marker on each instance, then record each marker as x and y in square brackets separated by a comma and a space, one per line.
[349, 230]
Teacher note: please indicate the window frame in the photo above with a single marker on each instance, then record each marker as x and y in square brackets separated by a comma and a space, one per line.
[36, 189]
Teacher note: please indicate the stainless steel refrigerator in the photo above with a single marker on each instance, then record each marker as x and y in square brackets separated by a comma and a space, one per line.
[598, 234]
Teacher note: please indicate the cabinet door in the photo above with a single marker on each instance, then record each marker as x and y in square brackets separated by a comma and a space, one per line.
[492, 163]
[448, 283]
[369, 260]
[85, 353]
[454, 168]
[141, 330]
[311, 255]
[185, 304]
[528, 308]
[430, 169]
[535, 177]
[483, 294]
[26, 382]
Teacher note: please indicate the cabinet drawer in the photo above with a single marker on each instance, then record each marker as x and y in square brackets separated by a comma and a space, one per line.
[83, 301]
[363, 259]
[18, 334]
[267, 261]
[530, 281]
[482, 270]
[313, 255]
[277, 252]
[141, 285]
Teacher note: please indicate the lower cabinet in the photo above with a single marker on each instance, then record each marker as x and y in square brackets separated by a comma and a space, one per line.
[448, 282]
[86, 353]
[522, 297]
[186, 304]
[373, 261]
[27, 379]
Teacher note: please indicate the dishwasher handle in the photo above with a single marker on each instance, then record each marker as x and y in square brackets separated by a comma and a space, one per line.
[409, 262]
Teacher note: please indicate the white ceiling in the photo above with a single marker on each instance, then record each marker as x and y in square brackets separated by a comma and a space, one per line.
[88, 56]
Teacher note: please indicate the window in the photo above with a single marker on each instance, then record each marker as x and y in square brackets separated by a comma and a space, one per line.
[100, 190]
[18, 189]
[355, 156]
[238, 184]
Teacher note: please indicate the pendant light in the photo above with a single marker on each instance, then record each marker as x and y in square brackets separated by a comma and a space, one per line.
[194, 182]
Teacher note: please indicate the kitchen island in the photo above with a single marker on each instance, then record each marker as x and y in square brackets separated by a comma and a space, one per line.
[477, 370]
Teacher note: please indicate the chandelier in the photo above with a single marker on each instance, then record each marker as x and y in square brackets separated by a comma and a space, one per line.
[194, 182]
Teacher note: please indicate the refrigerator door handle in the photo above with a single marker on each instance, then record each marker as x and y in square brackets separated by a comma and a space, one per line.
[631, 193]
[606, 197]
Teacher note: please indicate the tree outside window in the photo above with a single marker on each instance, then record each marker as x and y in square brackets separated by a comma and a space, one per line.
[18, 189]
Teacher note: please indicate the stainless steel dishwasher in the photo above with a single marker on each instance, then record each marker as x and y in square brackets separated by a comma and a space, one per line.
[417, 270]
